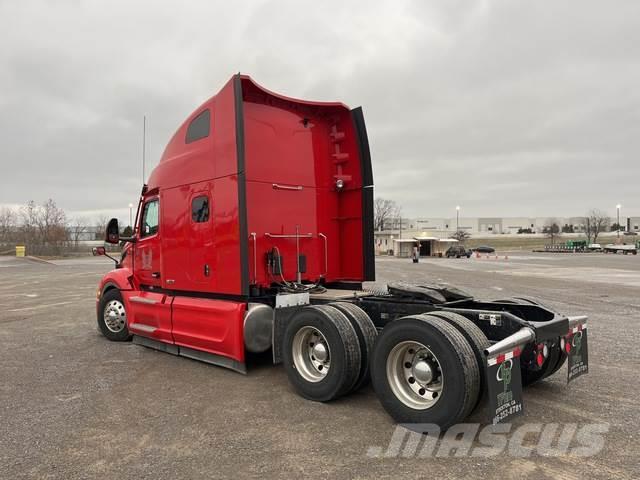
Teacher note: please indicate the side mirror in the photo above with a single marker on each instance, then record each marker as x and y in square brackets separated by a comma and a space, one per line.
[98, 251]
[113, 232]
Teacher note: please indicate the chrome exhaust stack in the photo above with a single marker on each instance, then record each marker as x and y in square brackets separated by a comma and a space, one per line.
[521, 337]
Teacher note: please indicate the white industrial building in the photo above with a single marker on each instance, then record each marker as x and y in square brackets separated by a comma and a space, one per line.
[432, 235]
[499, 225]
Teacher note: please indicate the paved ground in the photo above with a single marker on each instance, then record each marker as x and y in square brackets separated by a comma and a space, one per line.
[73, 405]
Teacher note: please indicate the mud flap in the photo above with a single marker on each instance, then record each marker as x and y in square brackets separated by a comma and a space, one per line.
[575, 345]
[504, 385]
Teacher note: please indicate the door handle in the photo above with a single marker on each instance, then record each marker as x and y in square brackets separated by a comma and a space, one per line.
[155, 274]
[206, 270]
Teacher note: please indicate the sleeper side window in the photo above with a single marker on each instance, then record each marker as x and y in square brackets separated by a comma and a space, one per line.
[199, 127]
[200, 209]
[149, 219]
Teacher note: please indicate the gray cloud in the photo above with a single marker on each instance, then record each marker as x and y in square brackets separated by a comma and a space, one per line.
[503, 107]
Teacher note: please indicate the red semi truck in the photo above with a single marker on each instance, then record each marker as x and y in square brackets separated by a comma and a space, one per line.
[255, 232]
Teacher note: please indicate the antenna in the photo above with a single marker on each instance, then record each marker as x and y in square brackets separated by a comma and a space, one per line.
[144, 143]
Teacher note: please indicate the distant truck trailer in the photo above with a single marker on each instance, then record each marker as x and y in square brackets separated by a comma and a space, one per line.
[623, 248]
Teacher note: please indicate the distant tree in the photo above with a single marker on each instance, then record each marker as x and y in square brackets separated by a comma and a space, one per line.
[127, 231]
[43, 225]
[461, 235]
[29, 220]
[567, 228]
[384, 211]
[551, 229]
[51, 222]
[596, 222]
[77, 228]
[8, 225]
[615, 227]
[101, 227]
[525, 230]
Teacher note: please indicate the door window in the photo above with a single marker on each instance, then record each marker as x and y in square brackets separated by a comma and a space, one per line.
[200, 209]
[149, 219]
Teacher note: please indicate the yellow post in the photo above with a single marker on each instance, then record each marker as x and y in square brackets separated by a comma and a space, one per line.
[20, 249]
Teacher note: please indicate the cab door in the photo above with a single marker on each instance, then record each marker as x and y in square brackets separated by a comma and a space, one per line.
[147, 248]
[199, 235]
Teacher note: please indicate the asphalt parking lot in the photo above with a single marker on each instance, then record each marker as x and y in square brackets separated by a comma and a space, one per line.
[74, 405]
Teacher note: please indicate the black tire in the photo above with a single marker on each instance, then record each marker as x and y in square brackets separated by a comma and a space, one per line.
[366, 333]
[458, 368]
[344, 351]
[524, 300]
[112, 301]
[562, 358]
[519, 300]
[530, 300]
[477, 341]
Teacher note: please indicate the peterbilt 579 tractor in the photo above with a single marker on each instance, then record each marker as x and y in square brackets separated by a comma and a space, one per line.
[255, 233]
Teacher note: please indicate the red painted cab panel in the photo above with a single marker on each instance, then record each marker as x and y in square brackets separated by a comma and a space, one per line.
[213, 326]
[248, 175]
[149, 314]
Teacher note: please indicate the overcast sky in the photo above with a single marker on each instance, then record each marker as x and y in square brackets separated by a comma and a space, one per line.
[506, 108]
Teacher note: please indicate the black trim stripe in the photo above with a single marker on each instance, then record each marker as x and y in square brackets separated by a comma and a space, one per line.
[369, 265]
[242, 187]
[193, 294]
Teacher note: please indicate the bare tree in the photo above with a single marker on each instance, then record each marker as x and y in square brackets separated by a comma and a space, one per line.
[101, 227]
[384, 211]
[596, 222]
[29, 217]
[461, 235]
[8, 225]
[552, 229]
[51, 222]
[42, 226]
[77, 228]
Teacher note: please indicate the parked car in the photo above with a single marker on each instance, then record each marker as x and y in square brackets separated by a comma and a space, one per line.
[457, 251]
[484, 249]
[595, 247]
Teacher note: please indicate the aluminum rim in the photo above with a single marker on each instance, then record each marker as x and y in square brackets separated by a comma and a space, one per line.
[414, 375]
[115, 316]
[311, 354]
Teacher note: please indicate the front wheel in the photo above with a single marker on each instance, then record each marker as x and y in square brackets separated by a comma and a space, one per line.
[112, 317]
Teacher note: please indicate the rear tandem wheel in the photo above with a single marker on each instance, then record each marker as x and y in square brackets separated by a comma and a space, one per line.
[424, 371]
[321, 353]
[366, 333]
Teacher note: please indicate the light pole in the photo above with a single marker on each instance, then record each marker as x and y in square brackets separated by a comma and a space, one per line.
[457, 218]
[131, 215]
[618, 227]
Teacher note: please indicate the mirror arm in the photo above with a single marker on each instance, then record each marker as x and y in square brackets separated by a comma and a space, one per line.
[128, 239]
[115, 260]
